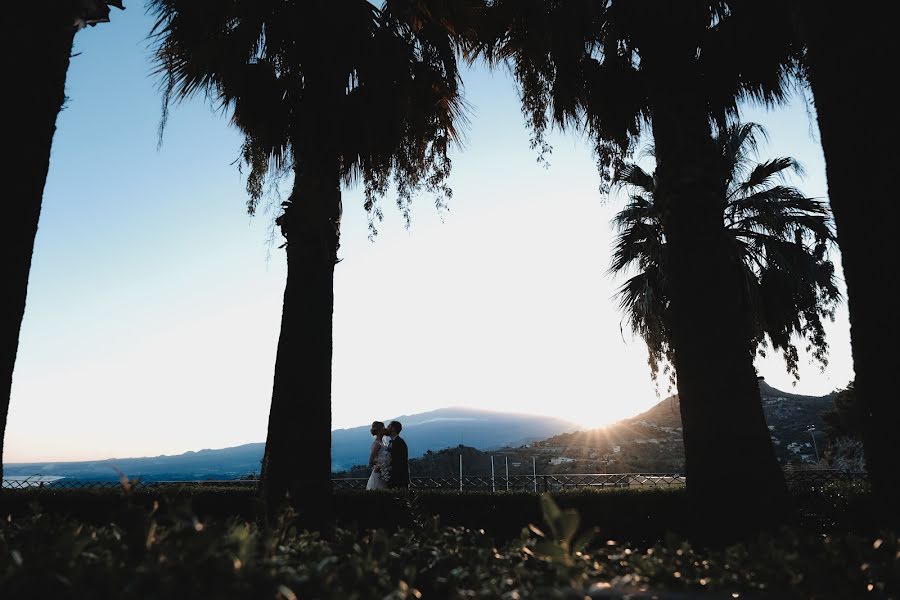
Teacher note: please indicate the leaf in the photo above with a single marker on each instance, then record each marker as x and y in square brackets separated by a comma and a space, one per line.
[550, 551]
[584, 540]
[285, 593]
[568, 522]
[536, 531]
[549, 509]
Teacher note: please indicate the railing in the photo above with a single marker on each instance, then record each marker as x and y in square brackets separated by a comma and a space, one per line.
[803, 479]
[531, 483]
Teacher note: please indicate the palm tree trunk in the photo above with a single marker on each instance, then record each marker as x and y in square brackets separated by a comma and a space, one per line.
[42, 45]
[729, 457]
[297, 460]
[849, 53]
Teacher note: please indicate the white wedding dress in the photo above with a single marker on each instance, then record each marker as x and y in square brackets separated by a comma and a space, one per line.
[382, 464]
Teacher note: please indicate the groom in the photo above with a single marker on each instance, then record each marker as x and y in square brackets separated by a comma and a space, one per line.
[399, 477]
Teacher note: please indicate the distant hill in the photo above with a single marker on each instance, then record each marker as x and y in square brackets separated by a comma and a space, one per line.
[652, 440]
[449, 427]
[432, 430]
[225, 463]
[648, 442]
[667, 412]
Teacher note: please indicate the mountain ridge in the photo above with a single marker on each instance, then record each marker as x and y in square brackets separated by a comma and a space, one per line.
[652, 440]
[648, 441]
[350, 446]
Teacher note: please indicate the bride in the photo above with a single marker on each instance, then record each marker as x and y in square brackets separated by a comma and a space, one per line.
[379, 458]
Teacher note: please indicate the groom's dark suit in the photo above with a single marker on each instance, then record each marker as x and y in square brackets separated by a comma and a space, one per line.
[399, 464]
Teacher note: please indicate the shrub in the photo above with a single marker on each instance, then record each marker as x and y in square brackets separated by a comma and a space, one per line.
[642, 515]
[164, 553]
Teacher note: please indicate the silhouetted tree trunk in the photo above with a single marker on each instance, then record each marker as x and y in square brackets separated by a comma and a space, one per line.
[297, 460]
[729, 457]
[850, 53]
[38, 58]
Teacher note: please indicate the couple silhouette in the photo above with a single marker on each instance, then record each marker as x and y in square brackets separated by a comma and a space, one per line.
[388, 458]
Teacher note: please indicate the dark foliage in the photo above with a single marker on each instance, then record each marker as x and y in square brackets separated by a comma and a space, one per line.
[397, 104]
[781, 237]
[582, 65]
[845, 418]
[162, 552]
[638, 516]
[844, 427]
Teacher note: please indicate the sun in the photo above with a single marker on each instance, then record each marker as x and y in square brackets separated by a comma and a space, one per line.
[612, 409]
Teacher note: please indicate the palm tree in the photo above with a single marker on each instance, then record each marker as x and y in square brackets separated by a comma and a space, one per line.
[848, 54]
[36, 77]
[780, 236]
[615, 70]
[331, 92]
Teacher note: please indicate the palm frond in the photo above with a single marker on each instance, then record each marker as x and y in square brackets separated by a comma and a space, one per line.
[781, 237]
[382, 92]
[631, 175]
[763, 174]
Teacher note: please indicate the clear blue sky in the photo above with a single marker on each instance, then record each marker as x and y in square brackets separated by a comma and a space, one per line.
[154, 301]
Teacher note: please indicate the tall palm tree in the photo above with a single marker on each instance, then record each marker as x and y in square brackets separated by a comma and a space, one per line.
[615, 70]
[780, 236]
[849, 51]
[36, 81]
[330, 92]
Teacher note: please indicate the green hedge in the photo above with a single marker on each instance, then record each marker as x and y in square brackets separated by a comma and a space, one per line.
[641, 515]
[638, 516]
[102, 506]
[165, 553]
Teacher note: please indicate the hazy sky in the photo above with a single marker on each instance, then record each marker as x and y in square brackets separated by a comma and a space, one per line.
[154, 300]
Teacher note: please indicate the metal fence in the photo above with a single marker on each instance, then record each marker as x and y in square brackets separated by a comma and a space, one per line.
[801, 479]
[531, 483]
